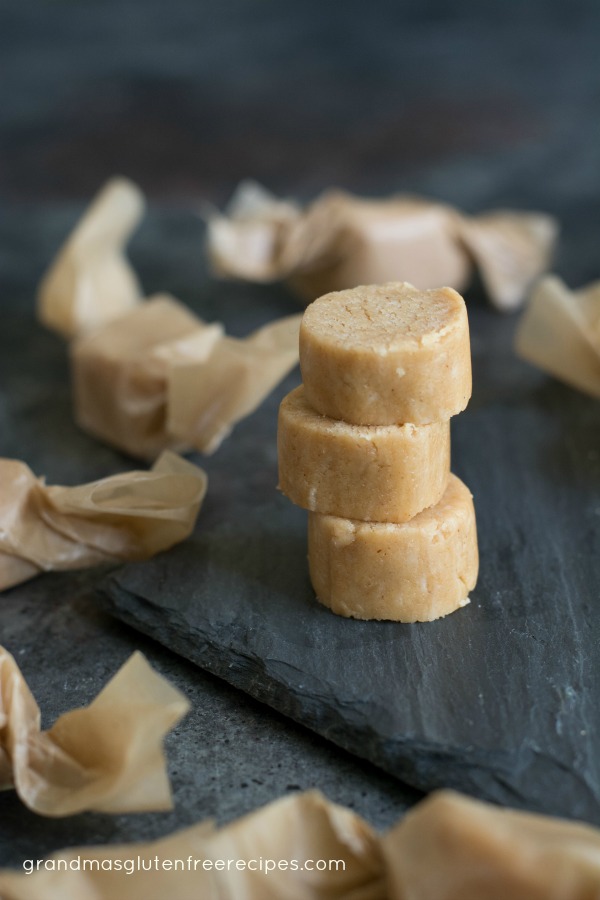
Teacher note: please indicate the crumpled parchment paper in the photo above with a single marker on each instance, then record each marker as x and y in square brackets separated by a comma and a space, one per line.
[559, 333]
[340, 241]
[91, 281]
[300, 829]
[125, 517]
[107, 756]
[149, 375]
[207, 397]
[160, 377]
[449, 847]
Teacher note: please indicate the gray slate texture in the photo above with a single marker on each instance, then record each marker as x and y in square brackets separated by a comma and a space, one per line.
[482, 105]
[498, 699]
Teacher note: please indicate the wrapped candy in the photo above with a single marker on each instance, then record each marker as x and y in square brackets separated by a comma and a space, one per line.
[451, 847]
[160, 377]
[124, 517]
[149, 375]
[106, 757]
[340, 241]
[448, 847]
[271, 854]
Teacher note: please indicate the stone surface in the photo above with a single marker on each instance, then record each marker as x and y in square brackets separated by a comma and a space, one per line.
[477, 104]
[499, 699]
[230, 755]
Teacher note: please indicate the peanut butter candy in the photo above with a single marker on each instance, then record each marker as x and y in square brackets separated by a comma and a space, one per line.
[161, 378]
[387, 355]
[121, 373]
[414, 572]
[381, 473]
[339, 241]
[448, 847]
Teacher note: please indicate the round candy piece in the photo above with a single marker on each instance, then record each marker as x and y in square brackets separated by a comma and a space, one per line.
[415, 572]
[387, 355]
[381, 473]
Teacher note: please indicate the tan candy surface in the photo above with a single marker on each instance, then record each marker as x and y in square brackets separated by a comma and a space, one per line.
[119, 382]
[415, 572]
[386, 355]
[384, 473]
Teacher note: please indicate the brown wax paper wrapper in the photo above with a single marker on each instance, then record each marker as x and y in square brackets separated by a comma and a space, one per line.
[106, 757]
[149, 375]
[301, 827]
[125, 517]
[207, 397]
[160, 377]
[340, 241]
[298, 830]
[91, 281]
[559, 333]
[451, 847]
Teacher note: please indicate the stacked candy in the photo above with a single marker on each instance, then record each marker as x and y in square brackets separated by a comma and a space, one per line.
[364, 445]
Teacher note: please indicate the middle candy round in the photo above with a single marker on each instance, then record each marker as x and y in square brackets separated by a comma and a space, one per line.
[376, 473]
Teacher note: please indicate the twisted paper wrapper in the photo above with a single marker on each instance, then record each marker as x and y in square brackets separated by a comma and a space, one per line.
[125, 517]
[106, 757]
[91, 281]
[340, 241]
[559, 333]
[159, 377]
[149, 375]
[448, 848]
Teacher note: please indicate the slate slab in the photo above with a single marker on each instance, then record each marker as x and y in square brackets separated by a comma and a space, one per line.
[501, 699]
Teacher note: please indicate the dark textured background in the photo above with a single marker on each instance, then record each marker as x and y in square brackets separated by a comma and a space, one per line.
[478, 104]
